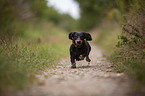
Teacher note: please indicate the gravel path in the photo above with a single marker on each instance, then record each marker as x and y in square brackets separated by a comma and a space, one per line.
[96, 79]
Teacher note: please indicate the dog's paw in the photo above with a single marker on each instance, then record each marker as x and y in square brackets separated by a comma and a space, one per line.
[88, 59]
[81, 57]
[73, 65]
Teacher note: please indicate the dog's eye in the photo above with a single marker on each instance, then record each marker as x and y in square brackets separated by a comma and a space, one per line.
[75, 37]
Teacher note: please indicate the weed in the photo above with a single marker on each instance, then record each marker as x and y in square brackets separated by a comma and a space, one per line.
[131, 47]
[23, 58]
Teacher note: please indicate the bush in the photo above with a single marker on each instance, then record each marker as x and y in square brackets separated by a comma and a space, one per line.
[131, 46]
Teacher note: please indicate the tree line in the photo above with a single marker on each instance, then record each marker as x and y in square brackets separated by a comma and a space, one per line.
[15, 14]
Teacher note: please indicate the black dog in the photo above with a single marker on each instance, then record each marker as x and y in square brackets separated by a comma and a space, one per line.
[80, 48]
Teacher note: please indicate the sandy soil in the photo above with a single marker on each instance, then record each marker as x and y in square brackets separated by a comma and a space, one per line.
[96, 79]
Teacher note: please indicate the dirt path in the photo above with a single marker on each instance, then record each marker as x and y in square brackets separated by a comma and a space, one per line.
[97, 79]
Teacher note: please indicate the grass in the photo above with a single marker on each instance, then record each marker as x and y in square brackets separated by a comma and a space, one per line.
[106, 36]
[125, 59]
[25, 57]
[134, 67]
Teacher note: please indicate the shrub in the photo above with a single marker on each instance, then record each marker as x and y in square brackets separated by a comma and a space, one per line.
[130, 56]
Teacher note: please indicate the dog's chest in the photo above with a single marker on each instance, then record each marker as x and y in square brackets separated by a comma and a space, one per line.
[79, 51]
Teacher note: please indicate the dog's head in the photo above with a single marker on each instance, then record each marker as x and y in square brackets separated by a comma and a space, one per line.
[79, 37]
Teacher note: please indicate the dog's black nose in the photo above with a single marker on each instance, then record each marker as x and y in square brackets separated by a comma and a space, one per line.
[78, 42]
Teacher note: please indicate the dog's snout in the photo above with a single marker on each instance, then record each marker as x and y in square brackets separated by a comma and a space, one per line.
[78, 42]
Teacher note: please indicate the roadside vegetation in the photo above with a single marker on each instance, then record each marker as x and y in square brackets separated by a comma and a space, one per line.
[129, 56]
[32, 40]
[24, 58]
[118, 27]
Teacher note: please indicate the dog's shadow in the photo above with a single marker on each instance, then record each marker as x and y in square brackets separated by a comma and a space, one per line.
[87, 66]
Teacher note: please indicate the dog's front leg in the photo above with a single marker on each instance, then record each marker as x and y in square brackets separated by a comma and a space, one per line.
[73, 62]
[88, 59]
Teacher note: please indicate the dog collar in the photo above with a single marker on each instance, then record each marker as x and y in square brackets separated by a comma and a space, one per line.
[76, 45]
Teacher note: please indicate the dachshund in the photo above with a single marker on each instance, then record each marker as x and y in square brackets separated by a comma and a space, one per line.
[79, 48]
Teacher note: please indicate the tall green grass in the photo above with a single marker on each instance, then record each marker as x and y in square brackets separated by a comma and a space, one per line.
[124, 47]
[131, 49]
[23, 58]
[20, 62]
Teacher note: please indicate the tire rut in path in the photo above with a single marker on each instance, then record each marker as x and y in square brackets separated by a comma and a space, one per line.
[97, 79]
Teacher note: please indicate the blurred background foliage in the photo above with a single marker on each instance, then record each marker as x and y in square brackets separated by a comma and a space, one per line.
[15, 16]
[94, 11]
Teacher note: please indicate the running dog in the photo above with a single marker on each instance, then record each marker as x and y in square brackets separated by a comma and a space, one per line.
[79, 48]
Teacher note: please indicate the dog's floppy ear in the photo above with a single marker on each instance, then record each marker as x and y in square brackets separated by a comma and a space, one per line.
[88, 36]
[71, 35]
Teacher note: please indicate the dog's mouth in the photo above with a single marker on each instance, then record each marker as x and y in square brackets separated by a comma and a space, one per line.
[79, 45]
[78, 42]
